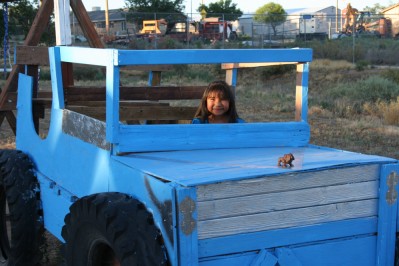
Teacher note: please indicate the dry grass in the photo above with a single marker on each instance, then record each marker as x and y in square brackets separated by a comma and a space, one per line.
[387, 111]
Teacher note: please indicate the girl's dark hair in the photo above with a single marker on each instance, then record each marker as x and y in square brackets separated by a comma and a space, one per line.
[224, 89]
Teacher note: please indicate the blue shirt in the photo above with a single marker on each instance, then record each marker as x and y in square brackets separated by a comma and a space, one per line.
[198, 121]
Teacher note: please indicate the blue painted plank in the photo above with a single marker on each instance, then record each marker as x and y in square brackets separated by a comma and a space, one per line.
[388, 207]
[206, 56]
[102, 57]
[345, 252]
[209, 166]
[112, 103]
[56, 78]
[207, 136]
[289, 236]
[91, 56]
[241, 259]
[187, 223]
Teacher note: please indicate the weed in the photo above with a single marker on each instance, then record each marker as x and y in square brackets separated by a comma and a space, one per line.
[388, 111]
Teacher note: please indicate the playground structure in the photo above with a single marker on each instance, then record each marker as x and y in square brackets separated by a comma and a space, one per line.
[30, 56]
[197, 198]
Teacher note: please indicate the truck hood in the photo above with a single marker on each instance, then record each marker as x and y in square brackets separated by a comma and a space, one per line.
[197, 167]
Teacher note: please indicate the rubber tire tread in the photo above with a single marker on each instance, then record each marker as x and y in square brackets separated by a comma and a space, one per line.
[120, 221]
[19, 186]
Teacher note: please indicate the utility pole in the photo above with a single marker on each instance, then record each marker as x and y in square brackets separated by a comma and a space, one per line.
[336, 17]
[106, 17]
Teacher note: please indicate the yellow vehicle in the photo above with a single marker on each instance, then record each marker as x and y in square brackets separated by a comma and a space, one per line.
[154, 27]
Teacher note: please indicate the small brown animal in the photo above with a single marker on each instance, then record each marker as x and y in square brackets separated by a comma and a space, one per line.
[286, 160]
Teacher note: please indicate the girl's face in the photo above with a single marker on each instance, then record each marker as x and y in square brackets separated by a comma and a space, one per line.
[217, 104]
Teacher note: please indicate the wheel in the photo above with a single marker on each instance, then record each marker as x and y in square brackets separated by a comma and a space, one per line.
[21, 227]
[111, 229]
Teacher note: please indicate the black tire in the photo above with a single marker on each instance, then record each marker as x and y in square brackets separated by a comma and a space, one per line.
[111, 229]
[21, 227]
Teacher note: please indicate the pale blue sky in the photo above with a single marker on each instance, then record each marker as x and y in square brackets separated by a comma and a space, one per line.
[250, 6]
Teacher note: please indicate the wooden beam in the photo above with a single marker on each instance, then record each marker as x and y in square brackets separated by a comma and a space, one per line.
[73, 94]
[39, 25]
[246, 65]
[12, 121]
[152, 112]
[62, 22]
[86, 24]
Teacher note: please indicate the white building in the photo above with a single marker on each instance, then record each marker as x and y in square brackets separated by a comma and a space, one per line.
[328, 18]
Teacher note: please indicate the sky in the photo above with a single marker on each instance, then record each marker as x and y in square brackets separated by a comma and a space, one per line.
[249, 6]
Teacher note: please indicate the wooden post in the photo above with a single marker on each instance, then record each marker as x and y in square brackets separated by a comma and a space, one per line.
[39, 25]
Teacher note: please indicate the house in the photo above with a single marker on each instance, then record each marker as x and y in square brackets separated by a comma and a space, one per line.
[392, 13]
[118, 25]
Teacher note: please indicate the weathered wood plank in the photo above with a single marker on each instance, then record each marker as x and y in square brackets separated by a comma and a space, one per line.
[287, 218]
[140, 112]
[136, 93]
[287, 236]
[160, 68]
[302, 198]
[32, 55]
[248, 65]
[271, 184]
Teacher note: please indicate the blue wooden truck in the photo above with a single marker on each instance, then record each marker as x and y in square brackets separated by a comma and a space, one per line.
[120, 192]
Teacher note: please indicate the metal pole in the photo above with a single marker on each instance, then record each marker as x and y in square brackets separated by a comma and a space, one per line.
[106, 17]
[336, 18]
[353, 43]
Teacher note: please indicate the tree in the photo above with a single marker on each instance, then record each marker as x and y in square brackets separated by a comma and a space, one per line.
[222, 8]
[152, 6]
[376, 9]
[27, 10]
[271, 13]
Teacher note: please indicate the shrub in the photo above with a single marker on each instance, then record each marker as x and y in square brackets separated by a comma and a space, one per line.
[169, 43]
[389, 111]
[361, 65]
[391, 74]
[88, 73]
[350, 97]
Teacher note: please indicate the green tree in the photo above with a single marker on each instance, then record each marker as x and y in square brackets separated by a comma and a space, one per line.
[376, 9]
[271, 13]
[222, 8]
[140, 10]
[16, 26]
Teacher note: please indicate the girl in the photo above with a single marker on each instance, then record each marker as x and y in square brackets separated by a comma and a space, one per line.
[217, 105]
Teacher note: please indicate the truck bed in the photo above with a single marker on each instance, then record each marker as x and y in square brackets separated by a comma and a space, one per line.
[249, 209]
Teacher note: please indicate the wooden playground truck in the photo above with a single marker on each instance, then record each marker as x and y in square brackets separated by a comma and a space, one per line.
[118, 193]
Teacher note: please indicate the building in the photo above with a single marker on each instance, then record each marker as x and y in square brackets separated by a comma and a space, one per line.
[118, 25]
[328, 17]
[392, 13]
